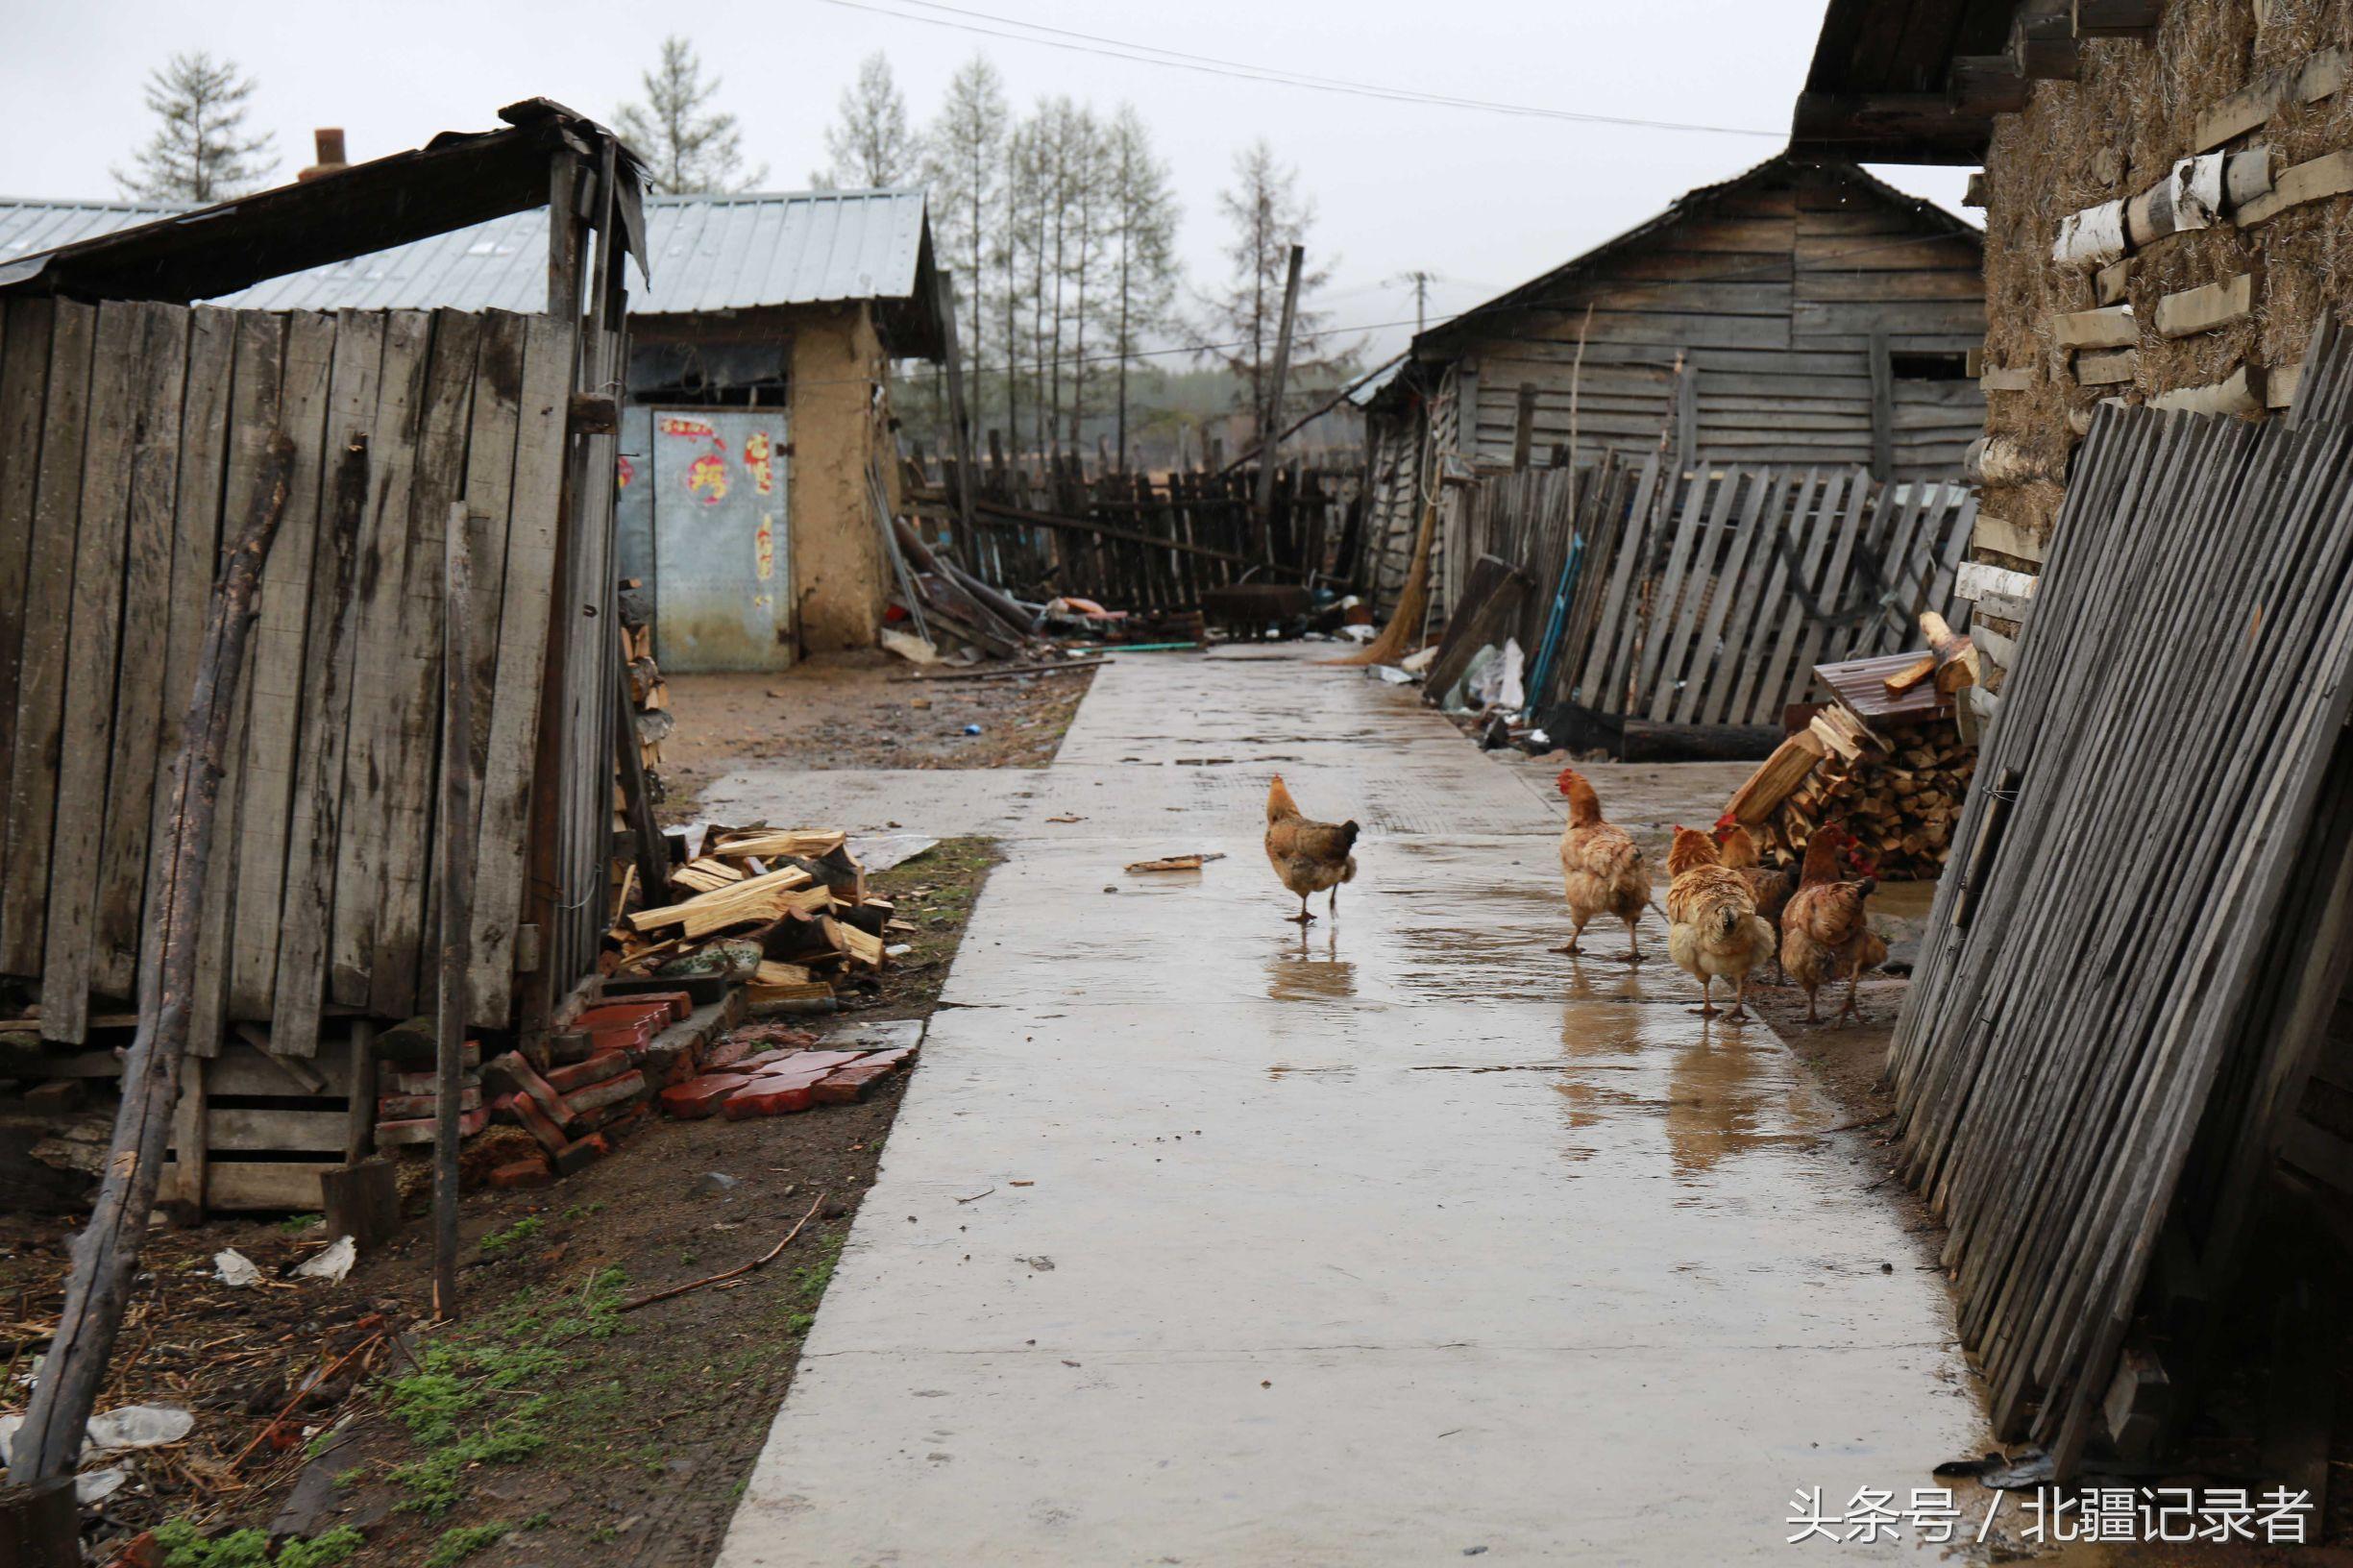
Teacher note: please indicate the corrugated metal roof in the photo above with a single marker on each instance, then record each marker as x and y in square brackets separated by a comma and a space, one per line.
[1363, 392]
[707, 252]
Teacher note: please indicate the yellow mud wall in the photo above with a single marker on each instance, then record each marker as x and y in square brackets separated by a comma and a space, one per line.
[837, 423]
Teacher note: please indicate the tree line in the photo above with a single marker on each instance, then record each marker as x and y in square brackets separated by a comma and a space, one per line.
[1057, 222]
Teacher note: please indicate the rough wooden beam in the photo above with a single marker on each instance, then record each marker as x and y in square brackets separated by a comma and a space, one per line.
[2042, 41]
[1986, 85]
[2109, 326]
[2240, 393]
[2202, 309]
[2308, 81]
[2330, 175]
[2109, 284]
[2116, 367]
[2006, 378]
[2118, 19]
[2279, 385]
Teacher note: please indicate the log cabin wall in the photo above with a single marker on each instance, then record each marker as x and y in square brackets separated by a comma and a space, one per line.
[1776, 292]
[1802, 313]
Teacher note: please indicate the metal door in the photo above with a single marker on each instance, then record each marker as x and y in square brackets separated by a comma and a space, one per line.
[721, 570]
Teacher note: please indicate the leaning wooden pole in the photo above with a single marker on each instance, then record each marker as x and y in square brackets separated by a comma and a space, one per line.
[456, 900]
[1263, 508]
[106, 1254]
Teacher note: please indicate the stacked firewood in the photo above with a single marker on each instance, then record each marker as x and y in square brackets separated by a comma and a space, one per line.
[649, 692]
[786, 912]
[1898, 789]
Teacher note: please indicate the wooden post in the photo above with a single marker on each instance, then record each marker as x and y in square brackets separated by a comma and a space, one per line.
[106, 1254]
[1523, 426]
[456, 900]
[960, 421]
[1272, 414]
[1686, 412]
[1882, 411]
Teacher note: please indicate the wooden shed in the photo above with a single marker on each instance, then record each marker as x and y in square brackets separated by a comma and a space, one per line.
[133, 428]
[1803, 312]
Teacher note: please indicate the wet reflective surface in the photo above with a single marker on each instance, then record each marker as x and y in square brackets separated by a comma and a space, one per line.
[1376, 1242]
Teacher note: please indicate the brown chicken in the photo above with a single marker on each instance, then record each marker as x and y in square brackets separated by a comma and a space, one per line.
[1712, 927]
[1600, 868]
[1736, 848]
[1309, 856]
[1825, 927]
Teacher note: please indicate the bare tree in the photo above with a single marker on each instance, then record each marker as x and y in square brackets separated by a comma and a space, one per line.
[964, 156]
[688, 146]
[1270, 217]
[1142, 238]
[870, 141]
[200, 151]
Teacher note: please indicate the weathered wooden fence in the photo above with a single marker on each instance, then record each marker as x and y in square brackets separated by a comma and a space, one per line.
[2131, 965]
[1727, 586]
[1133, 543]
[129, 437]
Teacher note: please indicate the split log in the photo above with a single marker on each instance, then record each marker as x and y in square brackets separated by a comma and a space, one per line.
[1956, 656]
[106, 1254]
[1911, 675]
[1775, 779]
[747, 903]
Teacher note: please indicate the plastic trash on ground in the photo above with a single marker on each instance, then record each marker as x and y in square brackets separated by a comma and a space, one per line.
[332, 1264]
[235, 1268]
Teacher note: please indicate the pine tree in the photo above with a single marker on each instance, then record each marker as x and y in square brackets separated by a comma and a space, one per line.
[964, 156]
[1270, 217]
[869, 143]
[1142, 238]
[200, 151]
[686, 146]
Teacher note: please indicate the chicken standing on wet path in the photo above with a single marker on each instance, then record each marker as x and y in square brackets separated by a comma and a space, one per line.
[1309, 856]
[1713, 928]
[1600, 868]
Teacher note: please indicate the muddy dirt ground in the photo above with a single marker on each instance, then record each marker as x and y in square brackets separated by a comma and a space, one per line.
[552, 1424]
[861, 710]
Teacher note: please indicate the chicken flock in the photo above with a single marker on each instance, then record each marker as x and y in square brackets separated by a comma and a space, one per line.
[1726, 914]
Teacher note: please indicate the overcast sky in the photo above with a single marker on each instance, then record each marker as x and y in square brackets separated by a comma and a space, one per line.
[1483, 199]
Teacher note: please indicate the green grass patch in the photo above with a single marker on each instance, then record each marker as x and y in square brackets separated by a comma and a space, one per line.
[502, 1387]
[186, 1547]
[462, 1541]
[495, 1242]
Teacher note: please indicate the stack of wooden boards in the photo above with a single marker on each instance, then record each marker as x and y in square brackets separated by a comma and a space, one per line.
[784, 912]
[2124, 989]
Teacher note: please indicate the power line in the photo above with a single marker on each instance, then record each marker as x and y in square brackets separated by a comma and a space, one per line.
[1090, 44]
[1538, 302]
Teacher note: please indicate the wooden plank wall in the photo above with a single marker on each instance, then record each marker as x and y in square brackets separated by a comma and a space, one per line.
[129, 436]
[1772, 293]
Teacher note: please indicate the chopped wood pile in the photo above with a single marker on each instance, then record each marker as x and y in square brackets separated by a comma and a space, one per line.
[1883, 758]
[649, 692]
[784, 912]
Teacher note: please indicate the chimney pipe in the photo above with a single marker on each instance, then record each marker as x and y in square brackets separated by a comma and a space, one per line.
[329, 141]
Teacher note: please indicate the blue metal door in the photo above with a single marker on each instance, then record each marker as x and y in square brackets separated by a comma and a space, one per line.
[721, 567]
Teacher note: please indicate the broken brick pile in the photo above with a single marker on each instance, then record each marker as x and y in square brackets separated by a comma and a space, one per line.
[739, 1080]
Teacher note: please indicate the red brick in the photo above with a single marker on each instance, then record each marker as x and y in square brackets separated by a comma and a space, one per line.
[595, 1070]
[809, 1061]
[522, 1173]
[700, 1097]
[895, 1057]
[574, 1154]
[401, 1107]
[680, 1003]
[420, 1129]
[535, 1121]
[513, 1069]
[769, 1097]
[622, 1037]
[569, 1045]
[726, 1053]
[844, 1085]
[628, 1118]
[617, 1014]
[631, 1084]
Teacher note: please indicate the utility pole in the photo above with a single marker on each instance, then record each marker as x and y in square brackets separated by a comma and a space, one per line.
[1272, 412]
[1421, 281]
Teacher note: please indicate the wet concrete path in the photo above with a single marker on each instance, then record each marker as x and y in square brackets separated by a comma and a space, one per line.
[1390, 1241]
